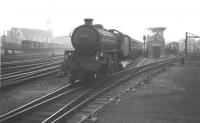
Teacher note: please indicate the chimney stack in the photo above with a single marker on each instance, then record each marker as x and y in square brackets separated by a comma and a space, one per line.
[88, 21]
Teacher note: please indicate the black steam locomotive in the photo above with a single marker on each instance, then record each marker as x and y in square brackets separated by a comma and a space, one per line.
[98, 52]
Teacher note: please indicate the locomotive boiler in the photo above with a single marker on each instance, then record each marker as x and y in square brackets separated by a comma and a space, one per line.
[88, 39]
[98, 52]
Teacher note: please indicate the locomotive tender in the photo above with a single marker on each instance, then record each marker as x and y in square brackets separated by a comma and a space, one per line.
[98, 52]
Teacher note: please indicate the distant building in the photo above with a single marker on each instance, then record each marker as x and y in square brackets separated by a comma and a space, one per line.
[198, 46]
[155, 42]
[1, 37]
[16, 35]
[59, 39]
[63, 40]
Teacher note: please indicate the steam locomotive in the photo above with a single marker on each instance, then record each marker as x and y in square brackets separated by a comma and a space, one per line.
[98, 52]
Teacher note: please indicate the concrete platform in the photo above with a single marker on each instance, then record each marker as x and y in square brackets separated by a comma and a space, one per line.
[171, 97]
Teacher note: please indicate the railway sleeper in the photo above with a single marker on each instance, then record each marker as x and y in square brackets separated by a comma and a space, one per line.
[41, 115]
[114, 92]
[31, 119]
[93, 106]
[130, 89]
[88, 109]
[46, 114]
[100, 101]
[98, 104]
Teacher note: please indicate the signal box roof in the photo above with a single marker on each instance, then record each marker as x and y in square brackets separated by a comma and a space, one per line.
[157, 29]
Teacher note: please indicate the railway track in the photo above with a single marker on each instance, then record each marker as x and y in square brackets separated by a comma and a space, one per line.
[18, 69]
[30, 56]
[81, 108]
[30, 74]
[69, 108]
[195, 58]
[27, 62]
[44, 106]
[8, 69]
[18, 73]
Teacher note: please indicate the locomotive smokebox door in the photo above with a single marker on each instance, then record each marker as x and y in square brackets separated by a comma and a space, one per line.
[85, 39]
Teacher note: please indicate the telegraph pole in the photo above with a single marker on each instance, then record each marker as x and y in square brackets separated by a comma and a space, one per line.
[144, 39]
[4, 43]
[186, 41]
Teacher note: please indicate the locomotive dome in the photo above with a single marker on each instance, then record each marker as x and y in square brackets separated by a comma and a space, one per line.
[85, 38]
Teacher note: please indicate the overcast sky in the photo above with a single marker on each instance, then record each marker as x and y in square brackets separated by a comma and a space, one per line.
[131, 17]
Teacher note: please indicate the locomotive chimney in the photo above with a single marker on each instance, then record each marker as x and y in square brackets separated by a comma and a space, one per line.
[88, 21]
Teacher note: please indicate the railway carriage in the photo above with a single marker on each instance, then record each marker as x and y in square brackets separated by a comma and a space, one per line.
[136, 48]
[172, 47]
